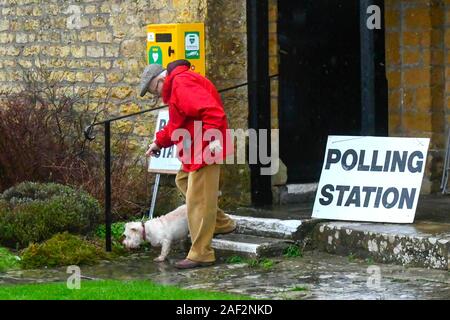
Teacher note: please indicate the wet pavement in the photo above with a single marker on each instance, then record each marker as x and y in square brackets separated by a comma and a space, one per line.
[316, 275]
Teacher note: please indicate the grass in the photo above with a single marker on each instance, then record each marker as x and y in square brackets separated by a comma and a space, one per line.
[351, 257]
[266, 263]
[109, 290]
[252, 263]
[293, 251]
[235, 260]
[299, 289]
[8, 261]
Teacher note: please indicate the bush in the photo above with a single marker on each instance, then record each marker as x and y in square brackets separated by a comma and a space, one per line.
[8, 260]
[117, 230]
[61, 250]
[42, 140]
[293, 251]
[34, 212]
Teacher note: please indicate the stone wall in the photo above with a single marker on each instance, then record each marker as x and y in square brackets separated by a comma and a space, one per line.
[417, 60]
[273, 60]
[227, 66]
[99, 45]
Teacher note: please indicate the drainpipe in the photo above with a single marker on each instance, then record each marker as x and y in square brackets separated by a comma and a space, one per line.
[374, 109]
[259, 91]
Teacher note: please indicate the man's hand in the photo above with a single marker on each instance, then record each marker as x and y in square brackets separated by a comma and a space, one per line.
[215, 146]
[153, 150]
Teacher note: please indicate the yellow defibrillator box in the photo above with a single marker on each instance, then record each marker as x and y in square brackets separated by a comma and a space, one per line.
[169, 42]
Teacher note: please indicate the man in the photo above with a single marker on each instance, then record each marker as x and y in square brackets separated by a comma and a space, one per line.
[195, 108]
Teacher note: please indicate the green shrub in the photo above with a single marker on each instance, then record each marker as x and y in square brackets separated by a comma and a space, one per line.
[252, 262]
[260, 263]
[34, 212]
[235, 260]
[117, 230]
[293, 251]
[61, 250]
[351, 257]
[8, 261]
[267, 263]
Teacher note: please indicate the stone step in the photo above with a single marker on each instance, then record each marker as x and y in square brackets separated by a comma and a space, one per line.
[295, 193]
[423, 244]
[273, 228]
[250, 246]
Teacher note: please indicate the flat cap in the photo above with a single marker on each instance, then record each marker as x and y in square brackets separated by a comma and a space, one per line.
[150, 72]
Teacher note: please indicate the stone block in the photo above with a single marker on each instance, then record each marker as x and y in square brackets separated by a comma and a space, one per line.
[86, 36]
[114, 77]
[394, 79]
[133, 48]
[78, 51]
[121, 92]
[418, 18]
[104, 37]
[21, 38]
[411, 56]
[4, 24]
[417, 77]
[6, 37]
[95, 51]
[99, 22]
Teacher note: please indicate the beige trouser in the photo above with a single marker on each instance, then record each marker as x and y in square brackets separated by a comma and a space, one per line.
[201, 189]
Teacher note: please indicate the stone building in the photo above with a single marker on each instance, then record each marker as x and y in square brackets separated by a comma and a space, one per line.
[314, 46]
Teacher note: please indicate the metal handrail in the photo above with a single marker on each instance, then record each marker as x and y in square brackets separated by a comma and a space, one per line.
[88, 134]
[88, 129]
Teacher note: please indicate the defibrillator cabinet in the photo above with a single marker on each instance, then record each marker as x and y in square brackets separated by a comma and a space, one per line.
[169, 42]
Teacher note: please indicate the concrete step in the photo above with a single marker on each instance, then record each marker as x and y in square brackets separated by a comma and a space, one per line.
[250, 246]
[274, 228]
[423, 244]
[294, 193]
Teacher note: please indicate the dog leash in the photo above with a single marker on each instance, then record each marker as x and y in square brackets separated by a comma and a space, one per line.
[143, 231]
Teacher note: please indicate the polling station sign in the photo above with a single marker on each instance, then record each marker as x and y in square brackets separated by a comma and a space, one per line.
[372, 179]
[167, 161]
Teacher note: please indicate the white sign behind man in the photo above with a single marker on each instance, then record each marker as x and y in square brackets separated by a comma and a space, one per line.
[167, 162]
[371, 179]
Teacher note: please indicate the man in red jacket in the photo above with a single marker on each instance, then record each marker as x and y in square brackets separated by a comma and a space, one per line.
[198, 126]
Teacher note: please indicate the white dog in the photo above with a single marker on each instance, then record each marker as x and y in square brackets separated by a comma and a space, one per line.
[161, 231]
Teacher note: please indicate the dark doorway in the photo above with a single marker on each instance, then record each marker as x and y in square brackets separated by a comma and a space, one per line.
[320, 80]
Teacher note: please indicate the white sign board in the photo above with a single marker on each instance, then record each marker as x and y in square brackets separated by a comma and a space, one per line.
[167, 161]
[371, 179]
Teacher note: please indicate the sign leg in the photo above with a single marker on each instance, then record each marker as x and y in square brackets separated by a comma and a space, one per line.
[155, 193]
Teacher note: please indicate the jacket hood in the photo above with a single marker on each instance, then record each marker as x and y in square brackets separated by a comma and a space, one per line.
[167, 88]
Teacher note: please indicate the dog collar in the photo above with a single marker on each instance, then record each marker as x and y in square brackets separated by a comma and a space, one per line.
[143, 230]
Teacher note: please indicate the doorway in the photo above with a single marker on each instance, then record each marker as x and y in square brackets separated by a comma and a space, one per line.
[320, 80]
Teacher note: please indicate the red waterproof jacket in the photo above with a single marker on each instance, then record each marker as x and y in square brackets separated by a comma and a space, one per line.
[196, 110]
